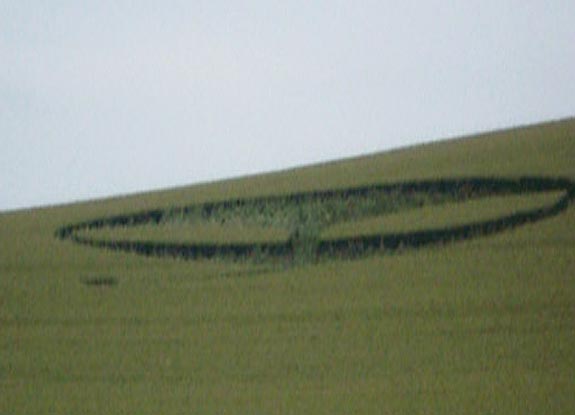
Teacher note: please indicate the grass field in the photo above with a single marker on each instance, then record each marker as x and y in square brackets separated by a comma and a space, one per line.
[450, 214]
[478, 326]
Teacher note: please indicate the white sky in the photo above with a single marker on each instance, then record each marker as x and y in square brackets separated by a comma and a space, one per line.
[105, 97]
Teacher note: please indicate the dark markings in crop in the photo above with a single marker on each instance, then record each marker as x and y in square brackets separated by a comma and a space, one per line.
[306, 247]
[100, 281]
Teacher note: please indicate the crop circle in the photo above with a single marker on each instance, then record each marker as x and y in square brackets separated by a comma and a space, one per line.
[292, 228]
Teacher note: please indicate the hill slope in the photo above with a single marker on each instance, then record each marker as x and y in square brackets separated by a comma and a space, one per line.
[476, 325]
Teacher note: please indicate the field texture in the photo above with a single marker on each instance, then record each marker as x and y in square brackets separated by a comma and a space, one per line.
[433, 279]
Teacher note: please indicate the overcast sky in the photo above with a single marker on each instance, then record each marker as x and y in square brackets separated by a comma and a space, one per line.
[103, 97]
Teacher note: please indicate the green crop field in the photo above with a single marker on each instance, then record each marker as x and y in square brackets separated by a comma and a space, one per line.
[436, 279]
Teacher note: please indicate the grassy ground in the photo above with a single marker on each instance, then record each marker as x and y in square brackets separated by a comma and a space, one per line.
[189, 232]
[444, 215]
[483, 326]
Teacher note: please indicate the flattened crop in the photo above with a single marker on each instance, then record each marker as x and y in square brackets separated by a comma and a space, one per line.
[342, 223]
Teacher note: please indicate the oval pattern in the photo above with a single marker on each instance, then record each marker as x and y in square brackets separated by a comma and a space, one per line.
[303, 217]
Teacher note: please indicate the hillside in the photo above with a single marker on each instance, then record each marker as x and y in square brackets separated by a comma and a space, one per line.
[431, 279]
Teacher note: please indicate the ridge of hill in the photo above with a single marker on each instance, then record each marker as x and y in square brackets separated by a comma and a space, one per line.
[475, 324]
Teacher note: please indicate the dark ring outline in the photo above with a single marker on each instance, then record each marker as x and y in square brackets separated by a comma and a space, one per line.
[343, 247]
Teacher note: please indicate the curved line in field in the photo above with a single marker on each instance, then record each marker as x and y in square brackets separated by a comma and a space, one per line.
[343, 247]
